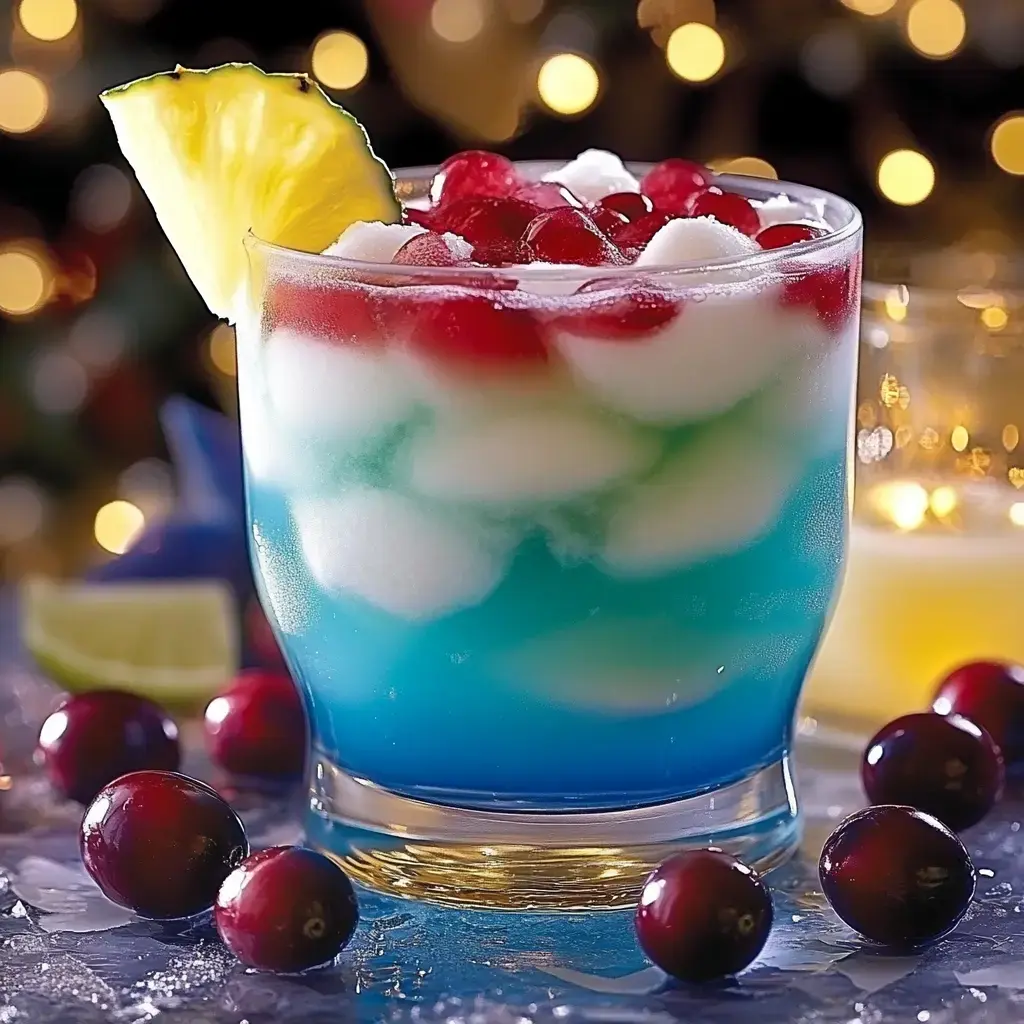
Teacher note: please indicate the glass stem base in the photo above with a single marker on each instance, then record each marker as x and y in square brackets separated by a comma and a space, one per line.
[539, 861]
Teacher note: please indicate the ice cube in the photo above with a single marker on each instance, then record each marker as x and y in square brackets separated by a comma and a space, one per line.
[724, 490]
[594, 174]
[396, 555]
[699, 239]
[721, 348]
[526, 455]
[337, 391]
[373, 242]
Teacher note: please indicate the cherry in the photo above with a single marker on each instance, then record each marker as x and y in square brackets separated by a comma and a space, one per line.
[778, 236]
[547, 195]
[427, 250]
[474, 172]
[727, 207]
[257, 727]
[160, 843]
[492, 226]
[703, 915]
[475, 329]
[947, 767]
[672, 183]
[260, 639]
[990, 694]
[342, 312]
[620, 315]
[286, 909]
[94, 737]
[896, 875]
[567, 235]
[638, 233]
[631, 205]
[830, 293]
[423, 218]
[605, 219]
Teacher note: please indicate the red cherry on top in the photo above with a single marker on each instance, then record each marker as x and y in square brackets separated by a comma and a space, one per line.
[547, 195]
[488, 223]
[426, 250]
[991, 694]
[778, 236]
[257, 728]
[727, 207]
[422, 218]
[672, 183]
[568, 235]
[638, 233]
[474, 172]
[605, 219]
[631, 205]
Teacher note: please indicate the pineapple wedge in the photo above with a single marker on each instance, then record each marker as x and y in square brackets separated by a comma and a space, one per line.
[232, 149]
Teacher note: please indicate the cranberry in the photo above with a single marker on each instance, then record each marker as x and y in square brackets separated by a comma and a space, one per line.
[346, 313]
[631, 205]
[547, 195]
[94, 737]
[896, 875]
[428, 250]
[638, 233]
[568, 235]
[160, 843]
[672, 183]
[991, 694]
[831, 294]
[260, 639]
[474, 172]
[473, 329]
[257, 726]
[947, 767]
[422, 218]
[286, 909]
[620, 315]
[778, 236]
[703, 915]
[727, 207]
[492, 226]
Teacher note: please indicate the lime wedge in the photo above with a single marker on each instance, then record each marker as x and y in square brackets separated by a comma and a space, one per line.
[176, 643]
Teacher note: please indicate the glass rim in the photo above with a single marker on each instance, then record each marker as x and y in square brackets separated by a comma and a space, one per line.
[751, 187]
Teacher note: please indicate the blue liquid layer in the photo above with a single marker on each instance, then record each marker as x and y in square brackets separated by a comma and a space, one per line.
[569, 687]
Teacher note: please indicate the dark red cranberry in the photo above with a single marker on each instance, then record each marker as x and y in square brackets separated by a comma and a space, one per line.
[638, 233]
[422, 218]
[671, 184]
[567, 235]
[548, 195]
[427, 250]
[476, 330]
[260, 639]
[947, 767]
[831, 294]
[632, 205]
[474, 172]
[257, 726]
[489, 224]
[605, 219]
[286, 909]
[897, 875]
[94, 737]
[703, 915]
[161, 844]
[991, 694]
[727, 207]
[346, 313]
[620, 314]
[778, 236]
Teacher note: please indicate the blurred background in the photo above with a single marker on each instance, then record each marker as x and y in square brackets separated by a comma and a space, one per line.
[907, 107]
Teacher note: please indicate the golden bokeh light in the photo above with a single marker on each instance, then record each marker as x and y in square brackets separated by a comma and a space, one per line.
[48, 20]
[873, 8]
[117, 524]
[522, 12]
[24, 101]
[752, 166]
[995, 318]
[1011, 436]
[903, 502]
[458, 21]
[695, 52]
[26, 280]
[936, 28]
[959, 438]
[1016, 513]
[896, 307]
[906, 177]
[221, 348]
[943, 501]
[1008, 144]
[340, 60]
[568, 83]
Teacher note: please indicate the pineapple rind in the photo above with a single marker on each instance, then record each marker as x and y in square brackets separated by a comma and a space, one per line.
[232, 149]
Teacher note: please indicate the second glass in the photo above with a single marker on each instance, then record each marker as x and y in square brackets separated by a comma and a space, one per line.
[550, 550]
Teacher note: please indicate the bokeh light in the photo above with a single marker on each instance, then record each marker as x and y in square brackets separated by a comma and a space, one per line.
[960, 438]
[522, 12]
[22, 509]
[902, 502]
[340, 60]
[117, 524]
[695, 52]
[221, 349]
[568, 83]
[1016, 513]
[48, 20]
[873, 8]
[752, 166]
[458, 21]
[906, 177]
[833, 60]
[101, 198]
[59, 383]
[26, 279]
[24, 101]
[936, 28]
[995, 318]
[1008, 144]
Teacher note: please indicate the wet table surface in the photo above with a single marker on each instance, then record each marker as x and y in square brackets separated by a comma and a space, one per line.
[67, 955]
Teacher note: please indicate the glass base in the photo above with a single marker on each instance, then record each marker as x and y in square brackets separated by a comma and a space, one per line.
[507, 860]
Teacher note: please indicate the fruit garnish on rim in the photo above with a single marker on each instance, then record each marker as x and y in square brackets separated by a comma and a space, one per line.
[232, 149]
